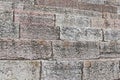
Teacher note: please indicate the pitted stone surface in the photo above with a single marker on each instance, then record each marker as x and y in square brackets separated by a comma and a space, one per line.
[101, 70]
[110, 49]
[36, 31]
[59, 39]
[19, 70]
[72, 20]
[80, 34]
[62, 70]
[9, 30]
[75, 50]
[111, 34]
[25, 49]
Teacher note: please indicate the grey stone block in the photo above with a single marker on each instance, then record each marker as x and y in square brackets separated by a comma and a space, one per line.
[19, 70]
[110, 49]
[93, 1]
[9, 30]
[72, 20]
[101, 70]
[62, 70]
[36, 31]
[78, 34]
[112, 34]
[75, 50]
[25, 49]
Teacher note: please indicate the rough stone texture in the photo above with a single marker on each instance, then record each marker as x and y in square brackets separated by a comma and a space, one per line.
[100, 70]
[25, 49]
[111, 34]
[59, 39]
[72, 20]
[30, 17]
[93, 1]
[36, 25]
[75, 50]
[78, 34]
[19, 70]
[36, 31]
[110, 49]
[9, 30]
[62, 70]
[58, 3]
[6, 5]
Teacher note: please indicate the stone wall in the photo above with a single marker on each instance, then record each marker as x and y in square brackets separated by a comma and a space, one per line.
[59, 39]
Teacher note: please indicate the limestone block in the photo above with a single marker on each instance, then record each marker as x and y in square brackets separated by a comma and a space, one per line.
[25, 49]
[75, 50]
[112, 34]
[72, 20]
[37, 31]
[62, 70]
[9, 30]
[19, 70]
[110, 49]
[101, 70]
[34, 17]
[78, 34]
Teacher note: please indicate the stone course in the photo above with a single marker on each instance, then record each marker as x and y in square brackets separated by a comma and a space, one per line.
[59, 39]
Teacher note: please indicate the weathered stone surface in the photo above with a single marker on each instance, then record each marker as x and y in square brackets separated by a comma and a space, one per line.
[25, 49]
[97, 7]
[18, 1]
[6, 16]
[36, 31]
[93, 1]
[6, 5]
[19, 70]
[103, 23]
[6, 13]
[72, 20]
[58, 3]
[75, 50]
[111, 34]
[110, 49]
[9, 30]
[31, 17]
[97, 22]
[101, 70]
[112, 2]
[78, 34]
[62, 70]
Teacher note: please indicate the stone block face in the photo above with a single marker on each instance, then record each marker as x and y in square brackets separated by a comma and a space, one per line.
[62, 70]
[113, 2]
[101, 70]
[37, 25]
[36, 31]
[58, 3]
[97, 22]
[19, 70]
[93, 1]
[110, 49]
[25, 49]
[72, 20]
[6, 5]
[18, 1]
[78, 34]
[6, 12]
[6, 16]
[31, 17]
[111, 34]
[96, 7]
[9, 30]
[75, 50]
